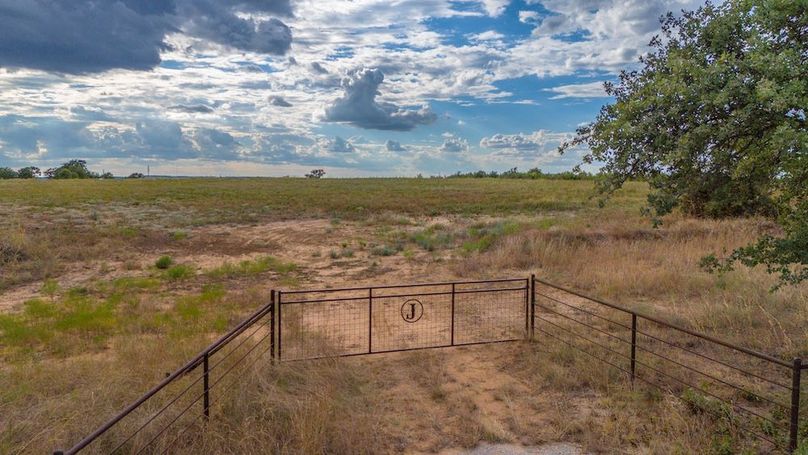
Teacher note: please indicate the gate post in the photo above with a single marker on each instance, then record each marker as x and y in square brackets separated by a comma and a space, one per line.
[453, 314]
[280, 325]
[370, 320]
[633, 345]
[532, 306]
[793, 433]
[272, 325]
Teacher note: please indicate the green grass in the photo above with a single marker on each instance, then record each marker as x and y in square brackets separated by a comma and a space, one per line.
[180, 272]
[433, 238]
[85, 320]
[217, 200]
[482, 236]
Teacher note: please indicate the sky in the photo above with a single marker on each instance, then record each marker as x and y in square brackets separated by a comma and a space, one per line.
[279, 87]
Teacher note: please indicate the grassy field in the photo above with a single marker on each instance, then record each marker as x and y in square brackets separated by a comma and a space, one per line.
[217, 200]
[97, 276]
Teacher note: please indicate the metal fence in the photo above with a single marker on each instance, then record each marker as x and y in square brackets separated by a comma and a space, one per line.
[749, 391]
[378, 319]
[168, 413]
[752, 392]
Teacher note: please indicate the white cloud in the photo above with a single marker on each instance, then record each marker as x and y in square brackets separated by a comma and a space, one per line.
[454, 144]
[538, 144]
[528, 17]
[489, 35]
[494, 7]
[587, 90]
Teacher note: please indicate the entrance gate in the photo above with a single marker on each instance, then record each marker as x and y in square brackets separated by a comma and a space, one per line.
[370, 320]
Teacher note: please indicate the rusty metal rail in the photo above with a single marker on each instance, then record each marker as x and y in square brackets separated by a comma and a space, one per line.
[674, 359]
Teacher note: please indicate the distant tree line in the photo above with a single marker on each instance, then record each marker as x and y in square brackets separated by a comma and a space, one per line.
[514, 173]
[73, 169]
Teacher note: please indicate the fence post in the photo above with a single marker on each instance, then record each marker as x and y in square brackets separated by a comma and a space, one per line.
[793, 434]
[205, 379]
[451, 343]
[532, 306]
[280, 325]
[272, 325]
[633, 344]
[370, 320]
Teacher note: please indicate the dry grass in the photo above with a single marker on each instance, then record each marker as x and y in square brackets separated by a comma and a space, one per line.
[79, 352]
[657, 270]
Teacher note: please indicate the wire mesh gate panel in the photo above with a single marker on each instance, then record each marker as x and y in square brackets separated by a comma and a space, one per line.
[370, 320]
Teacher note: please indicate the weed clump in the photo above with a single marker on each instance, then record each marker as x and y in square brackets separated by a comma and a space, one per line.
[253, 267]
[180, 272]
[164, 262]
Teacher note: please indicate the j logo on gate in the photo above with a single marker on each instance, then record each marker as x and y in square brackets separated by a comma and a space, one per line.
[412, 310]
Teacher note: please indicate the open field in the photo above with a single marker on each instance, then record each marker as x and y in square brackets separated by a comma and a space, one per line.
[86, 302]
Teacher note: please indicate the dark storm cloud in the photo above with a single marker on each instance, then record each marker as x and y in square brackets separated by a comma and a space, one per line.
[217, 21]
[359, 107]
[87, 36]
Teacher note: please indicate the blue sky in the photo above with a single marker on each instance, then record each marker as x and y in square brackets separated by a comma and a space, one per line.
[277, 87]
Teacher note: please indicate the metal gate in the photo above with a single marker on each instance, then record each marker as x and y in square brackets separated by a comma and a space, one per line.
[370, 320]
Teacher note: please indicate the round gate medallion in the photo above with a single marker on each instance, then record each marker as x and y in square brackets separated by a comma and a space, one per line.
[412, 310]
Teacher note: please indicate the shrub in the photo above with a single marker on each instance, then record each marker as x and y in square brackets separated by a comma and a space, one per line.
[164, 262]
[180, 272]
[384, 250]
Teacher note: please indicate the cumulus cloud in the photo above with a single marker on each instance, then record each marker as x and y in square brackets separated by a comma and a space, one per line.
[533, 145]
[279, 101]
[338, 145]
[454, 144]
[358, 106]
[494, 7]
[528, 17]
[87, 36]
[588, 90]
[394, 146]
[490, 35]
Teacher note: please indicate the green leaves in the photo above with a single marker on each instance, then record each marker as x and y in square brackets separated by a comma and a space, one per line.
[716, 123]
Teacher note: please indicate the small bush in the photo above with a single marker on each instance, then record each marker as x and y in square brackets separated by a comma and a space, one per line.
[254, 267]
[180, 272]
[384, 250]
[164, 262]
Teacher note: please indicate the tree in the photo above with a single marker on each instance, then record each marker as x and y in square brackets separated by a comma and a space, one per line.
[73, 169]
[7, 173]
[315, 174]
[29, 172]
[136, 175]
[715, 121]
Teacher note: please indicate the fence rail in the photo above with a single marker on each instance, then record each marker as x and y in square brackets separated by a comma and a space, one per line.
[392, 318]
[160, 416]
[753, 392]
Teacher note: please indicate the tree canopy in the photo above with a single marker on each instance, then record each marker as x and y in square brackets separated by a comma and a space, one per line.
[73, 169]
[715, 121]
